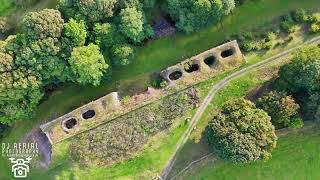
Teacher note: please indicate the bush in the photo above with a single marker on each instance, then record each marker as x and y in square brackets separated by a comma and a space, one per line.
[315, 27]
[241, 133]
[282, 108]
[315, 17]
[300, 15]
[4, 25]
[192, 15]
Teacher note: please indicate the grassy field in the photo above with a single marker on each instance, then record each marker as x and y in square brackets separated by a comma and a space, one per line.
[196, 148]
[297, 157]
[6, 6]
[154, 57]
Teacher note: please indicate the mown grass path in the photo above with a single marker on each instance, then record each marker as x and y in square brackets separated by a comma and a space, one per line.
[283, 55]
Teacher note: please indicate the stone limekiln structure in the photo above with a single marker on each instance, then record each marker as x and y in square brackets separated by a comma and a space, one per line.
[208, 62]
[107, 108]
[70, 123]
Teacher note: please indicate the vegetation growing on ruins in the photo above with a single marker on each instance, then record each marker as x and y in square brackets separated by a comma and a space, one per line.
[123, 137]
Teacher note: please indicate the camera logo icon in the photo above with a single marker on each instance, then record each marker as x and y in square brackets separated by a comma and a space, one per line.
[20, 167]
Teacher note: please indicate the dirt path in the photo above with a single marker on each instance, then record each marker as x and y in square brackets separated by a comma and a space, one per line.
[284, 55]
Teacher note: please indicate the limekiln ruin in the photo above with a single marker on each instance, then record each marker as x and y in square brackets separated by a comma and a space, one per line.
[103, 110]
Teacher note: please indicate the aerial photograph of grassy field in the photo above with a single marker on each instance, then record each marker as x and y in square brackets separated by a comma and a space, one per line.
[160, 89]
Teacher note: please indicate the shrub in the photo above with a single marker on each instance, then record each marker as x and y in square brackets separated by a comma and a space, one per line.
[315, 27]
[300, 15]
[241, 133]
[4, 25]
[315, 17]
[282, 108]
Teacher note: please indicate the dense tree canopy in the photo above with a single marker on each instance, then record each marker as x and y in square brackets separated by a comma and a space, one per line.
[38, 58]
[191, 15]
[76, 32]
[90, 10]
[301, 78]
[46, 23]
[302, 73]
[241, 132]
[19, 88]
[122, 54]
[88, 64]
[131, 23]
[282, 108]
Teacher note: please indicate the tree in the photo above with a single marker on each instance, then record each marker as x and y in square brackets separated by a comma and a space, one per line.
[282, 109]
[19, 90]
[41, 57]
[241, 133]
[107, 35]
[87, 64]
[46, 23]
[132, 24]
[192, 15]
[76, 32]
[122, 54]
[302, 73]
[90, 10]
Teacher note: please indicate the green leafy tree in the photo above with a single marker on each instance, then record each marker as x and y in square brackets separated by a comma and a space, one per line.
[76, 32]
[241, 133]
[107, 35]
[87, 64]
[90, 10]
[19, 90]
[192, 15]
[122, 54]
[41, 57]
[302, 74]
[46, 23]
[282, 108]
[132, 24]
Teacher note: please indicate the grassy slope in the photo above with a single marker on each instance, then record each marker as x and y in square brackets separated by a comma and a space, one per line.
[158, 55]
[296, 157]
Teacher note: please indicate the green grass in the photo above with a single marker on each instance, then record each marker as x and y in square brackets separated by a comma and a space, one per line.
[6, 6]
[296, 157]
[156, 56]
[195, 148]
